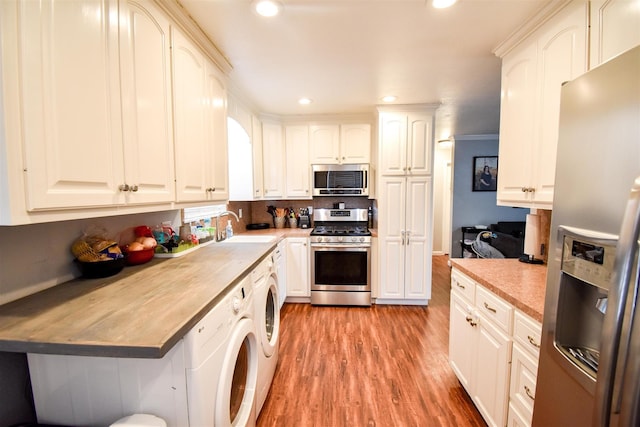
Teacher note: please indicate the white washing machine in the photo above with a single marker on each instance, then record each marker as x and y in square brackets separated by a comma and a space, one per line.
[221, 356]
[267, 320]
[207, 379]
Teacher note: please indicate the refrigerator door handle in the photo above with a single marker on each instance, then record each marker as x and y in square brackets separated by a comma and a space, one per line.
[626, 253]
[630, 409]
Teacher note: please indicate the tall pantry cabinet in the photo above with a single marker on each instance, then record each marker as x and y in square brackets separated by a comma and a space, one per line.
[405, 204]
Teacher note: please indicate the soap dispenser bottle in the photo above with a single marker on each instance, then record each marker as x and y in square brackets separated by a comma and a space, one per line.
[229, 229]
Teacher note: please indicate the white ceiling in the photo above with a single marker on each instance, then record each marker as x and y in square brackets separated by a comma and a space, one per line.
[347, 54]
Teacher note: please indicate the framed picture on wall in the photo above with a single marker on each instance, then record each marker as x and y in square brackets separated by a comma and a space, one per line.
[485, 173]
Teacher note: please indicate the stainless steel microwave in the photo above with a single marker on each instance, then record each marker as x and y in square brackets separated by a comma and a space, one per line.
[341, 180]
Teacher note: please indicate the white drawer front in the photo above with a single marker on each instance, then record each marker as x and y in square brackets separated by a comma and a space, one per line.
[524, 370]
[463, 284]
[494, 308]
[528, 333]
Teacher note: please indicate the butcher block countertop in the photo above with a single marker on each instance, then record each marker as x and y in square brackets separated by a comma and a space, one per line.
[520, 284]
[141, 312]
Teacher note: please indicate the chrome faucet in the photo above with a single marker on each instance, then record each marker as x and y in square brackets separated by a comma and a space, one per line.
[220, 234]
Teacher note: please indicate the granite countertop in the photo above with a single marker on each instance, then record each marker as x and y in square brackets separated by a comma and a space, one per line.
[141, 312]
[520, 284]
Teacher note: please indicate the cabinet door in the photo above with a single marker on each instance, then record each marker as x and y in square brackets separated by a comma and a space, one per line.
[419, 144]
[562, 56]
[71, 107]
[147, 111]
[516, 125]
[298, 267]
[461, 340]
[491, 372]
[391, 237]
[418, 238]
[615, 28]
[298, 171]
[216, 133]
[273, 160]
[355, 143]
[256, 143]
[191, 145]
[524, 371]
[393, 143]
[324, 144]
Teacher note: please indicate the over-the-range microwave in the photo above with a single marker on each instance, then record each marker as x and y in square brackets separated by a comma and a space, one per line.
[341, 180]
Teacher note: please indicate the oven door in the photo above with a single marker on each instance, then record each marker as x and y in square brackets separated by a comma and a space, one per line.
[340, 267]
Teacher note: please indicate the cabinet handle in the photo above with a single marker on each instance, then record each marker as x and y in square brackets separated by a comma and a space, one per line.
[124, 187]
[408, 236]
[402, 238]
[488, 307]
[460, 286]
[133, 188]
[533, 341]
[527, 391]
[470, 321]
[532, 190]
[524, 189]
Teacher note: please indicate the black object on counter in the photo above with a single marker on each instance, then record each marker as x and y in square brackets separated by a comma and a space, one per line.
[258, 226]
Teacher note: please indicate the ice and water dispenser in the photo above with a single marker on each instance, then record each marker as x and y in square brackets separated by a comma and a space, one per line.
[585, 275]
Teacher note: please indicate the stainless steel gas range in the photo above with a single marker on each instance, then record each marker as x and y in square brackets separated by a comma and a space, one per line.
[340, 258]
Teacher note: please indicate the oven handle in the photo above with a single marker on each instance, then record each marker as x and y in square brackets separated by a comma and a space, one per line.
[342, 246]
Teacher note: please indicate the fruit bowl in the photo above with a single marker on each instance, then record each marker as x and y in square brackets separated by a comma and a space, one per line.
[137, 257]
[97, 269]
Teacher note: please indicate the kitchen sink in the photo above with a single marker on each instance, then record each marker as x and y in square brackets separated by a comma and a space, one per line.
[243, 238]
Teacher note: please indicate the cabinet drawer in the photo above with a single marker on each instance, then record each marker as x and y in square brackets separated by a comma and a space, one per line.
[463, 284]
[528, 333]
[524, 370]
[494, 308]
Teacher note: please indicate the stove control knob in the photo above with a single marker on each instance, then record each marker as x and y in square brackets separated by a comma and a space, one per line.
[362, 239]
[318, 239]
[340, 238]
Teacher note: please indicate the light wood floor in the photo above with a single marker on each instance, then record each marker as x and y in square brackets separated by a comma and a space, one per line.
[379, 366]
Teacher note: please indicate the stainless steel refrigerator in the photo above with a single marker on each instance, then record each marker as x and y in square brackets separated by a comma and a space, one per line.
[589, 369]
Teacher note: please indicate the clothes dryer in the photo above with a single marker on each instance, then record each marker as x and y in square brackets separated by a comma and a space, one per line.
[222, 353]
[267, 320]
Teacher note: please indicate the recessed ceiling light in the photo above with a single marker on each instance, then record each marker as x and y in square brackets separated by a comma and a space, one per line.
[441, 4]
[267, 7]
[305, 101]
[389, 98]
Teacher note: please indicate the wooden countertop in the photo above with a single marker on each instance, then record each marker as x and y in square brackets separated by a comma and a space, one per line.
[141, 312]
[520, 284]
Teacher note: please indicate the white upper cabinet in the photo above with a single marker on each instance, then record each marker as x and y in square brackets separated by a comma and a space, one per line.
[298, 170]
[147, 109]
[273, 160]
[189, 88]
[615, 28]
[87, 108]
[68, 63]
[532, 75]
[340, 144]
[216, 134]
[406, 143]
[200, 125]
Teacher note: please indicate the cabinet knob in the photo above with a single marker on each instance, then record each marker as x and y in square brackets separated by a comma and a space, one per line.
[124, 187]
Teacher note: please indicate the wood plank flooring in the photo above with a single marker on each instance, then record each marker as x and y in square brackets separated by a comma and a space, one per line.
[379, 366]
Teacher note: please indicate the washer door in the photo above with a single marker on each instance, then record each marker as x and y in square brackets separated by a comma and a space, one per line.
[269, 322]
[237, 386]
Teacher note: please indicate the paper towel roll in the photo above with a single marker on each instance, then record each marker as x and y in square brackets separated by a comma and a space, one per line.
[532, 235]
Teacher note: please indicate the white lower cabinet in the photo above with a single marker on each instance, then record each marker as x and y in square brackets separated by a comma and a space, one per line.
[494, 351]
[480, 346]
[297, 255]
